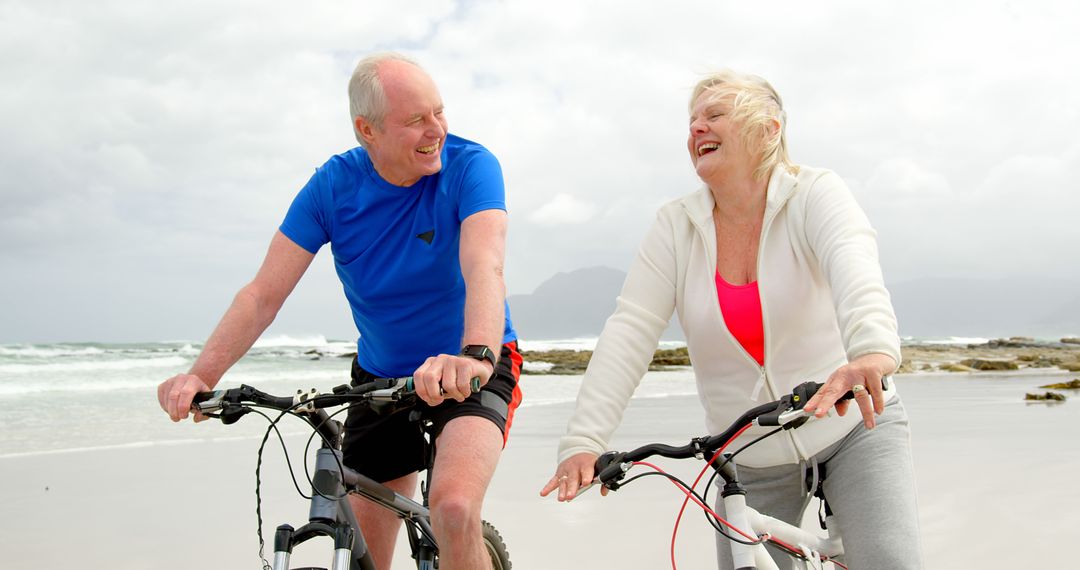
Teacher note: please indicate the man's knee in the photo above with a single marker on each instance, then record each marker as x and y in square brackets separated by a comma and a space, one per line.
[453, 511]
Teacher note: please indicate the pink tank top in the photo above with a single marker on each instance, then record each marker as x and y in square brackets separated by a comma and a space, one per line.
[741, 307]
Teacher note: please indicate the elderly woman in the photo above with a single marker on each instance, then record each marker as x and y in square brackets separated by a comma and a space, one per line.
[774, 273]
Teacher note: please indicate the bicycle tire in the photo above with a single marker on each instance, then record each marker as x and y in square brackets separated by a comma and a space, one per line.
[496, 547]
[493, 543]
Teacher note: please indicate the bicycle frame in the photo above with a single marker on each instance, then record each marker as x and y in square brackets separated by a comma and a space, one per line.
[331, 515]
[749, 520]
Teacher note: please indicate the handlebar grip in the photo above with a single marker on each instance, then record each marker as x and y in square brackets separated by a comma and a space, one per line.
[608, 467]
[803, 392]
[207, 401]
[474, 384]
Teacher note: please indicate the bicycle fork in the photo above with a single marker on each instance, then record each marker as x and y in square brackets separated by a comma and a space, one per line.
[286, 537]
[749, 520]
[330, 515]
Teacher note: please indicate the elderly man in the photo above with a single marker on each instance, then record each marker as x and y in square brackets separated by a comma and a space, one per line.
[417, 223]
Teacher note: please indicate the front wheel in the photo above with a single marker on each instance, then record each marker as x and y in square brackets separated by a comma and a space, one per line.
[493, 542]
[500, 557]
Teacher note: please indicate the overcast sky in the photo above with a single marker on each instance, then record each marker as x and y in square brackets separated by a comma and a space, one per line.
[150, 149]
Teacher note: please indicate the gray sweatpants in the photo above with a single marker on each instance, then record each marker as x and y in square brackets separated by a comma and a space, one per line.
[870, 486]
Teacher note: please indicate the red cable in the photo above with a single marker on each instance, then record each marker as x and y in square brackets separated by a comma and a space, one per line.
[791, 549]
[690, 495]
[682, 488]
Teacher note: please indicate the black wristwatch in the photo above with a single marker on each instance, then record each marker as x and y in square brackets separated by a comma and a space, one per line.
[479, 352]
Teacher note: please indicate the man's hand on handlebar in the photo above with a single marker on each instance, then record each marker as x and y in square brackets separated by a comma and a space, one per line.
[572, 475]
[865, 371]
[176, 393]
[448, 376]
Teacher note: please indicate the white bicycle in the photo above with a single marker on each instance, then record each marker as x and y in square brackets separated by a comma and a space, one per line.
[747, 530]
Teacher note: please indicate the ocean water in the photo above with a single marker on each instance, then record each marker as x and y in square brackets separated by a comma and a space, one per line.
[72, 397]
[57, 398]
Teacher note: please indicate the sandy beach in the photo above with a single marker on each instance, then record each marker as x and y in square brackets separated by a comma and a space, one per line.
[996, 482]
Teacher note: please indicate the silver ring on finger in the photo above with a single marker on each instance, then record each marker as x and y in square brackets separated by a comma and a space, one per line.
[563, 478]
[858, 389]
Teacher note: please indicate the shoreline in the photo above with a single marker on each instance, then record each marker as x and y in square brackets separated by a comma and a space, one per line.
[1012, 355]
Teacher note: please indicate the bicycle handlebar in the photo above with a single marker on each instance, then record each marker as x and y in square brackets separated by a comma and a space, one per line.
[379, 389]
[382, 390]
[787, 413]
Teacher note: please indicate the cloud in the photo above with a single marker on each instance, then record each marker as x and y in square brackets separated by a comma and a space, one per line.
[901, 178]
[163, 143]
[1009, 220]
[564, 209]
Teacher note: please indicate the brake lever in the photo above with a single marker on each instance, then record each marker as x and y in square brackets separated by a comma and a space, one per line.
[581, 491]
[232, 413]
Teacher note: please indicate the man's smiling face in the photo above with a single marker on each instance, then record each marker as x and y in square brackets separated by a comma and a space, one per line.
[409, 143]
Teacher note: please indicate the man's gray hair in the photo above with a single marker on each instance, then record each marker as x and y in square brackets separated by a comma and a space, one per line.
[366, 96]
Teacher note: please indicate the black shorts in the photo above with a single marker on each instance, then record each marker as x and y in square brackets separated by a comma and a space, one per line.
[385, 447]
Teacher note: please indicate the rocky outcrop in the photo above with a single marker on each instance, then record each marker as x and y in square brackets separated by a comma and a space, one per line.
[1070, 385]
[1047, 397]
[1014, 342]
[986, 365]
[575, 361]
[954, 367]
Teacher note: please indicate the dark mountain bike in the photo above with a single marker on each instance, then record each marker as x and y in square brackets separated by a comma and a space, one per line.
[330, 514]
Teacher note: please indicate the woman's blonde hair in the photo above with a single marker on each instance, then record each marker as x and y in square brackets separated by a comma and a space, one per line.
[755, 105]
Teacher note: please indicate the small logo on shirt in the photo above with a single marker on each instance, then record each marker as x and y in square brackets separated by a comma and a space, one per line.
[427, 236]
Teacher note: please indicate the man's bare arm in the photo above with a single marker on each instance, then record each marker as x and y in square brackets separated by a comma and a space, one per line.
[483, 238]
[252, 310]
[482, 253]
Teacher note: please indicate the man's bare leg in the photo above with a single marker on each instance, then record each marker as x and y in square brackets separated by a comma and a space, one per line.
[380, 526]
[467, 452]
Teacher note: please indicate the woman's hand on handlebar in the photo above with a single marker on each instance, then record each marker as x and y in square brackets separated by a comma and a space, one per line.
[571, 475]
[176, 393]
[866, 371]
[448, 376]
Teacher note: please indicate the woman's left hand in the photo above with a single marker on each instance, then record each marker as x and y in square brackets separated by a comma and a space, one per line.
[866, 372]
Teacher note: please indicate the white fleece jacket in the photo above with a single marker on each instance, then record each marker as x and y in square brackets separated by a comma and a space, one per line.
[823, 302]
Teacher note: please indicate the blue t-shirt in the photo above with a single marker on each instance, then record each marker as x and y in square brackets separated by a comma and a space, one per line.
[396, 249]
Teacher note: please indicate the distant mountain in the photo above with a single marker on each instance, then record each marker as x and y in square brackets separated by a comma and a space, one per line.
[987, 308]
[576, 304]
[568, 305]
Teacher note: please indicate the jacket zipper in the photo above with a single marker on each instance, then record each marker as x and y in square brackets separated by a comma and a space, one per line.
[763, 379]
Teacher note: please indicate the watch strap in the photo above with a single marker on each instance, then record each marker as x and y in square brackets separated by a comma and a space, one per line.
[479, 352]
